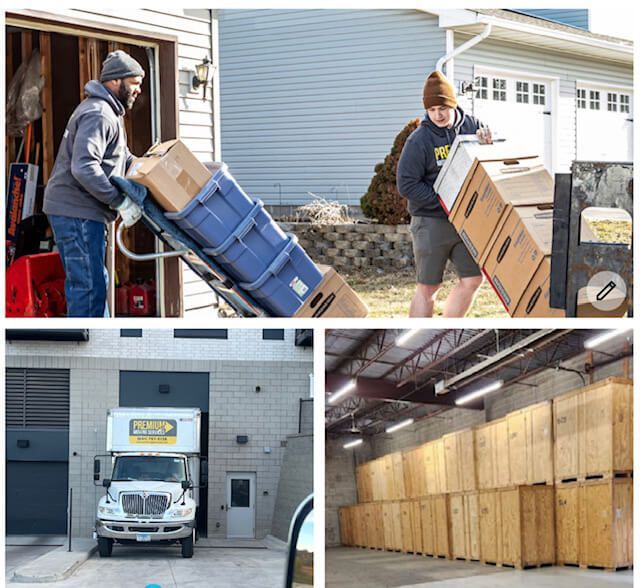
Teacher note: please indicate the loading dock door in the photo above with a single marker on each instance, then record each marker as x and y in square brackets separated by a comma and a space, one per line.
[178, 390]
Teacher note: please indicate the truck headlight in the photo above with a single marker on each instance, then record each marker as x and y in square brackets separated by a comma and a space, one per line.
[107, 510]
[181, 513]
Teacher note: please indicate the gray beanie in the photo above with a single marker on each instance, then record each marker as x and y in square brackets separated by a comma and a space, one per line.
[118, 65]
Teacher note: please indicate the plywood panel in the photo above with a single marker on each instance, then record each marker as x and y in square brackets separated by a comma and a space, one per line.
[510, 515]
[490, 528]
[346, 533]
[441, 470]
[501, 454]
[398, 476]
[517, 447]
[363, 482]
[431, 473]
[416, 526]
[442, 542]
[540, 466]
[484, 441]
[406, 514]
[472, 525]
[566, 423]
[466, 445]
[453, 466]
[458, 526]
[388, 485]
[567, 524]
[427, 527]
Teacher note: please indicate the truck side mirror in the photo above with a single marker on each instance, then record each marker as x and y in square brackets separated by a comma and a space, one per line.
[106, 483]
[186, 484]
[96, 469]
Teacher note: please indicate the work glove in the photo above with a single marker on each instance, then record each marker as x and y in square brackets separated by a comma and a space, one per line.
[129, 212]
[137, 192]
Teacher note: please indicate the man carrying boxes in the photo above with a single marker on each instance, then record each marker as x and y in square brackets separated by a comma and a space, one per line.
[435, 241]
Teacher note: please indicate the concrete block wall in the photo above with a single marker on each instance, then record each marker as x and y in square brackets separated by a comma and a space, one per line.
[353, 246]
[267, 417]
[295, 483]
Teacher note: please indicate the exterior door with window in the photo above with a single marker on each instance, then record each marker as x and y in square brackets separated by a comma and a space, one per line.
[241, 509]
[604, 125]
[517, 108]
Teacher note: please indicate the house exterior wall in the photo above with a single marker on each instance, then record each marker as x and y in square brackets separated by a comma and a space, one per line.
[268, 417]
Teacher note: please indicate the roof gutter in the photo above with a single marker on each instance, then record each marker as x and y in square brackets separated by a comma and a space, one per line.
[466, 45]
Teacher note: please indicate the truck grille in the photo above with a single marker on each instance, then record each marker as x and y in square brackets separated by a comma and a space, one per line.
[151, 504]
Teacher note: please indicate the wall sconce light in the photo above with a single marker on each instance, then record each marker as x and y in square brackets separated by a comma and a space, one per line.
[201, 76]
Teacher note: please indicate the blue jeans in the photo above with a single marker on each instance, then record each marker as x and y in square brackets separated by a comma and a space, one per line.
[82, 247]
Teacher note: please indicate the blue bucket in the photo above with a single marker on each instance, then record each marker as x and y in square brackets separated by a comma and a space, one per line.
[287, 282]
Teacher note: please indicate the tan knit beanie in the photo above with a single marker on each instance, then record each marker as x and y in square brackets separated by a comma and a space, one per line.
[438, 91]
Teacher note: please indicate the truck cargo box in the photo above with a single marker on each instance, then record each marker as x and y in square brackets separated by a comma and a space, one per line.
[154, 429]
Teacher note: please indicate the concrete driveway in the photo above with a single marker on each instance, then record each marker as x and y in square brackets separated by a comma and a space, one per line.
[19, 555]
[137, 567]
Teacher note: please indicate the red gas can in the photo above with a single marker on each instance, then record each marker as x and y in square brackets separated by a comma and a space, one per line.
[139, 303]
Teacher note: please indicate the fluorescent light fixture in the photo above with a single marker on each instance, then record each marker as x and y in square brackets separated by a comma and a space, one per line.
[599, 339]
[402, 339]
[399, 425]
[439, 387]
[342, 392]
[478, 393]
[352, 444]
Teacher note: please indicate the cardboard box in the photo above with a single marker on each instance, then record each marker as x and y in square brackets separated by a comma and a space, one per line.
[586, 309]
[517, 251]
[535, 299]
[333, 298]
[493, 188]
[464, 153]
[172, 173]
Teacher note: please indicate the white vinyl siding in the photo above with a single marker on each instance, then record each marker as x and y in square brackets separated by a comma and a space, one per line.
[566, 68]
[311, 100]
[575, 18]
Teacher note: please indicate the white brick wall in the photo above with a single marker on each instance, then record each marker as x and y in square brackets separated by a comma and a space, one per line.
[160, 343]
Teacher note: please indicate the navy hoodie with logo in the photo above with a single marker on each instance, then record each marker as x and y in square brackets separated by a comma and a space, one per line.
[93, 148]
[423, 155]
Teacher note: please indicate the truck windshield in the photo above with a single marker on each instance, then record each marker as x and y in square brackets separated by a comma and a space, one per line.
[149, 467]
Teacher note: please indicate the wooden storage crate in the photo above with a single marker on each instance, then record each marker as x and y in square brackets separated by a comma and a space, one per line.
[363, 482]
[406, 515]
[606, 523]
[374, 529]
[593, 429]
[399, 492]
[435, 468]
[414, 471]
[378, 479]
[359, 522]
[502, 473]
[464, 526]
[416, 526]
[346, 530]
[435, 526]
[517, 526]
[484, 442]
[392, 526]
[426, 526]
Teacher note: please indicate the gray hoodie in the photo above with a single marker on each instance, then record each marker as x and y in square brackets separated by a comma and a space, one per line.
[93, 148]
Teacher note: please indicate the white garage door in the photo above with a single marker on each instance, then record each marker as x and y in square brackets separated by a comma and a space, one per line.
[604, 123]
[517, 108]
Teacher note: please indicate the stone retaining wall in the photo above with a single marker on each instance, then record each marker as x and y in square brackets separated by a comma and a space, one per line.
[355, 246]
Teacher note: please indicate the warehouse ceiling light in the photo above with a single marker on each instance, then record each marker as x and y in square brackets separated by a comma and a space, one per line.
[402, 339]
[599, 339]
[352, 444]
[399, 425]
[342, 392]
[478, 393]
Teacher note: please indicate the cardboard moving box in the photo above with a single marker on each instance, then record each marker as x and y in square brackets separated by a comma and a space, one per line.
[493, 188]
[172, 173]
[535, 299]
[517, 251]
[465, 152]
[333, 298]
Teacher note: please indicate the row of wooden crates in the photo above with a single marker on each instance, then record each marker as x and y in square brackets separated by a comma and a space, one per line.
[585, 433]
[586, 524]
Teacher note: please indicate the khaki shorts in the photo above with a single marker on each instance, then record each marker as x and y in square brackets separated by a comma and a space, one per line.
[435, 241]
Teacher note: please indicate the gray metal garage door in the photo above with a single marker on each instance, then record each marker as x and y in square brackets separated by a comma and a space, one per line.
[178, 390]
[37, 407]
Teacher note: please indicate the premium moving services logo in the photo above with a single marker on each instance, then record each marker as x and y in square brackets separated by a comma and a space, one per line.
[144, 431]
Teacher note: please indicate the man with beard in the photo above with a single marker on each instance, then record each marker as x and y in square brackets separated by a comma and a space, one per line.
[435, 241]
[79, 199]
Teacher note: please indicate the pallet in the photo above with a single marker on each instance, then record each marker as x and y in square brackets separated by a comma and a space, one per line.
[605, 569]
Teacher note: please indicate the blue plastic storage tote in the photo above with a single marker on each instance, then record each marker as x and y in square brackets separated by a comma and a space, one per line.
[287, 282]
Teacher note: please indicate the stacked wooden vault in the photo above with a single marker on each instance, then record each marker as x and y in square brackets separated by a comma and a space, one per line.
[551, 483]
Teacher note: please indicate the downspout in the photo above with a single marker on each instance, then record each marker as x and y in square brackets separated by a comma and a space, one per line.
[467, 45]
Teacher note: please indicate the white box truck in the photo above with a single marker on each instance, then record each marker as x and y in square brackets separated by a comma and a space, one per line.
[151, 494]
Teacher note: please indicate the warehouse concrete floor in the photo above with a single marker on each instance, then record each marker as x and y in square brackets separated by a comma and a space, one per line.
[353, 568]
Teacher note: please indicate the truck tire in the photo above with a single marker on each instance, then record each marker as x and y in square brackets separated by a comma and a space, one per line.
[105, 546]
[187, 546]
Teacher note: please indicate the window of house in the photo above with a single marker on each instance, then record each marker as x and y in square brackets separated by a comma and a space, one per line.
[522, 92]
[482, 85]
[539, 94]
[131, 332]
[594, 100]
[500, 89]
[624, 103]
[581, 95]
[612, 102]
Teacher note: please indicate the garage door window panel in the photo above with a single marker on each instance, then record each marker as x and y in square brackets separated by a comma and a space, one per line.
[612, 102]
[594, 100]
[500, 89]
[539, 94]
[624, 103]
[581, 95]
[482, 83]
[522, 92]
